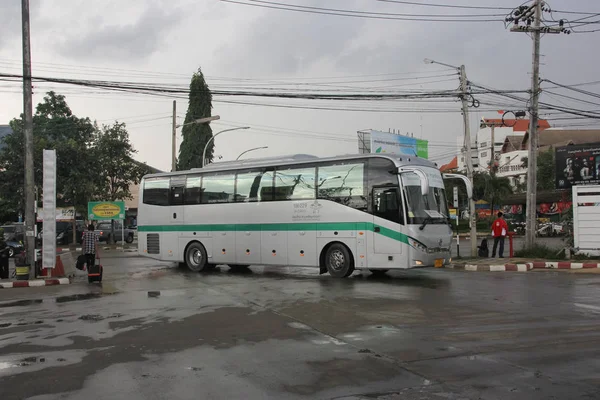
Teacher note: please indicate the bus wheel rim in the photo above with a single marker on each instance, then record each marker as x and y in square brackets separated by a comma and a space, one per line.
[196, 257]
[337, 260]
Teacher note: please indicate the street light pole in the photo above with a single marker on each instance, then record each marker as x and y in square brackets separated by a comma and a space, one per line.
[464, 91]
[213, 137]
[249, 150]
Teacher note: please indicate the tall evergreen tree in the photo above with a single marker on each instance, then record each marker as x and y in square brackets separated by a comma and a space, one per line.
[195, 136]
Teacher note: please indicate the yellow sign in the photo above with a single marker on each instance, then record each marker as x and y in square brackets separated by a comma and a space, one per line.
[106, 210]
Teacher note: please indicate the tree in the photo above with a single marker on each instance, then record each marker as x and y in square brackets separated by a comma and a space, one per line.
[54, 127]
[546, 170]
[491, 188]
[195, 136]
[115, 167]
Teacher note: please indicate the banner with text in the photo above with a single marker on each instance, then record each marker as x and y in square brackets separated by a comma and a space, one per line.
[382, 142]
[577, 165]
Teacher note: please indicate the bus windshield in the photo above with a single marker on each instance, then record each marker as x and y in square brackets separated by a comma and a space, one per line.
[432, 208]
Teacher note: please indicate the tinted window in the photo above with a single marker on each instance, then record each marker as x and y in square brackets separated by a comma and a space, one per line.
[156, 191]
[217, 188]
[265, 189]
[295, 184]
[177, 190]
[343, 183]
[247, 185]
[193, 190]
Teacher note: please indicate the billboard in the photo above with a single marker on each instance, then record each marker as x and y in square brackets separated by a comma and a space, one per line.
[577, 165]
[382, 142]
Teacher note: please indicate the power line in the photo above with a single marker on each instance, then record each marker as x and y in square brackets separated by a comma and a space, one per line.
[288, 7]
[414, 3]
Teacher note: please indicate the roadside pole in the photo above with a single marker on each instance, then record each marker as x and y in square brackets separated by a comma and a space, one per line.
[464, 86]
[28, 135]
[457, 221]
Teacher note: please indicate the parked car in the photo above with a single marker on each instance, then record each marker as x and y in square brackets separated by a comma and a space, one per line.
[14, 247]
[64, 232]
[104, 232]
[14, 232]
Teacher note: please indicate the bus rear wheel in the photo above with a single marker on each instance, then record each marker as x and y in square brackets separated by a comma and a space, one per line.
[196, 257]
[339, 261]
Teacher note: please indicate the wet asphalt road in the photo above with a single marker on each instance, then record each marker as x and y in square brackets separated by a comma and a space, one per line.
[291, 334]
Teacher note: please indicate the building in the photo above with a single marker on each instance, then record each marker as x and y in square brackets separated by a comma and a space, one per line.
[515, 149]
[451, 167]
[500, 130]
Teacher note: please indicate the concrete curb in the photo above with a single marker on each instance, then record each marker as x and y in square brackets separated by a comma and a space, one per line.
[524, 267]
[493, 268]
[35, 283]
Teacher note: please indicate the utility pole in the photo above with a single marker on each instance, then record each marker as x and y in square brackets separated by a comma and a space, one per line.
[469, 160]
[531, 205]
[28, 135]
[493, 152]
[532, 17]
[174, 139]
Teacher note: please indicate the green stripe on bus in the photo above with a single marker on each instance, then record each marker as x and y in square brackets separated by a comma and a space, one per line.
[321, 226]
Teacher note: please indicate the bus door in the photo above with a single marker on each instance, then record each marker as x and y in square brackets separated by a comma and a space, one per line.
[176, 192]
[387, 214]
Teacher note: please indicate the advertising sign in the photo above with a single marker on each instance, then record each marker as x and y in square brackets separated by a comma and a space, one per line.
[105, 210]
[577, 165]
[62, 214]
[382, 142]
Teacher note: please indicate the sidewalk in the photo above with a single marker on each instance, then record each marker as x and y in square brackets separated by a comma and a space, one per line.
[519, 265]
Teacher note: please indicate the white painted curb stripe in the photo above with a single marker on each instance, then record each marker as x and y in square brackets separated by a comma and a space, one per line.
[470, 267]
[497, 268]
[6, 285]
[63, 281]
[37, 283]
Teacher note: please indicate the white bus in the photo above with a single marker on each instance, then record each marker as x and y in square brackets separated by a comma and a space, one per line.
[369, 211]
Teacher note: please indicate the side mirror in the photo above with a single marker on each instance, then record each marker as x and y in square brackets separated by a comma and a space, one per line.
[466, 180]
[422, 177]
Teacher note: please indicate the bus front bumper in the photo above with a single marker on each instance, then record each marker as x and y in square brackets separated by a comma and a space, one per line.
[438, 259]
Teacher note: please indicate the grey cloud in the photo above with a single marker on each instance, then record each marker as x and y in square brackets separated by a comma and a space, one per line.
[284, 42]
[138, 40]
[10, 20]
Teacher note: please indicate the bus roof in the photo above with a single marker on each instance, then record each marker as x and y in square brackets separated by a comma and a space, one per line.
[296, 159]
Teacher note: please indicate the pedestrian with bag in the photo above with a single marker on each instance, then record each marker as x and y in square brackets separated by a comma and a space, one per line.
[90, 246]
[499, 231]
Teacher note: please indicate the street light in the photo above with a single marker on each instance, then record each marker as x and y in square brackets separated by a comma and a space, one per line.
[464, 94]
[249, 150]
[206, 120]
[214, 136]
[428, 61]
[200, 121]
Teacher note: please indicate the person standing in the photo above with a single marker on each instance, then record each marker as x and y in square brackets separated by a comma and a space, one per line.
[90, 246]
[4, 249]
[499, 231]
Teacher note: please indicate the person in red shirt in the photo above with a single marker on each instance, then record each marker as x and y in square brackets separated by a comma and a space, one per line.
[499, 231]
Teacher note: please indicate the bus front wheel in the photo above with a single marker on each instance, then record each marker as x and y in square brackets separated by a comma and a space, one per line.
[339, 261]
[195, 257]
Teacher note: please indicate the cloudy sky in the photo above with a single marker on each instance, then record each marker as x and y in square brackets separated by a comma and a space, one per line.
[239, 46]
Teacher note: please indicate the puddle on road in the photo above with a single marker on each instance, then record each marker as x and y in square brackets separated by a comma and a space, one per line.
[21, 363]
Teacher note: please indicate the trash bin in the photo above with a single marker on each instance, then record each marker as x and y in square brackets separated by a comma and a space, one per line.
[21, 267]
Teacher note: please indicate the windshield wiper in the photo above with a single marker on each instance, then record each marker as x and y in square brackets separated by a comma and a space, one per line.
[425, 222]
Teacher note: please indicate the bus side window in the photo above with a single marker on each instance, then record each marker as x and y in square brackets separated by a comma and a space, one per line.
[156, 191]
[177, 190]
[344, 184]
[193, 190]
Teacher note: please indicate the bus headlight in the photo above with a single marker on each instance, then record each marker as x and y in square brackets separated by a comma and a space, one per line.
[418, 262]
